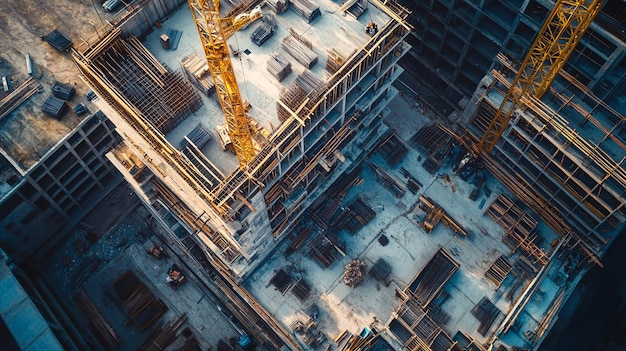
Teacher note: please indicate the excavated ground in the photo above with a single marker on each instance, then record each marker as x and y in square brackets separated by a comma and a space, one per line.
[27, 134]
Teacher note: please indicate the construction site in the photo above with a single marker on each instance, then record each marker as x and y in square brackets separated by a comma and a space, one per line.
[307, 174]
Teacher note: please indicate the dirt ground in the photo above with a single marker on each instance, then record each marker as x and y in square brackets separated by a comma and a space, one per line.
[26, 134]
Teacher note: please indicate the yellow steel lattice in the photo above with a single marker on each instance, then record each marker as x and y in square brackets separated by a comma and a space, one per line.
[555, 42]
[214, 31]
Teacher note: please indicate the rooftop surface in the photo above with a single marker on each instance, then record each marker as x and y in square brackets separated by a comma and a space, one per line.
[20, 314]
[331, 30]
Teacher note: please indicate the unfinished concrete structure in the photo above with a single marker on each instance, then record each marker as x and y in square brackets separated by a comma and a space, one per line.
[242, 215]
[570, 148]
[44, 201]
[456, 41]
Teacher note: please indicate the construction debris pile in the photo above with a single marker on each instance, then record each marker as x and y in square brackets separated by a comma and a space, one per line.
[354, 273]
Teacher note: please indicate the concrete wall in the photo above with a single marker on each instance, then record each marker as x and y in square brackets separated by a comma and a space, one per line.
[59, 190]
[455, 43]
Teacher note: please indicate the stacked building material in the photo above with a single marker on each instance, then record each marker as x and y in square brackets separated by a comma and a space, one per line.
[63, 91]
[416, 326]
[211, 175]
[18, 96]
[393, 147]
[436, 214]
[54, 107]
[196, 70]
[301, 289]
[355, 216]
[412, 183]
[278, 6]
[435, 142]
[288, 101]
[199, 136]
[519, 225]
[109, 5]
[303, 234]
[389, 181]
[278, 66]
[381, 271]
[306, 9]
[336, 58]
[499, 270]
[164, 336]
[143, 308]
[100, 325]
[58, 40]
[262, 33]
[326, 248]
[282, 281]
[354, 8]
[486, 312]
[433, 277]
[299, 51]
[308, 81]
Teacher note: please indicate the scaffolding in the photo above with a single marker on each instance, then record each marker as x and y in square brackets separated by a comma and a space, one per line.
[563, 156]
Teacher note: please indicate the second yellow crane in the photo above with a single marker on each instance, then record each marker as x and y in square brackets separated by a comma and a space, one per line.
[214, 31]
[555, 42]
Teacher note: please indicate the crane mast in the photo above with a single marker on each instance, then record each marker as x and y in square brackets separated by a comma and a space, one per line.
[214, 31]
[555, 42]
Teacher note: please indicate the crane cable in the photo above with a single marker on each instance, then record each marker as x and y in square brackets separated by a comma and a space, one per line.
[245, 81]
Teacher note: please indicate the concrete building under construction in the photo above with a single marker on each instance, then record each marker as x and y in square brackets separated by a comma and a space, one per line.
[241, 215]
[329, 237]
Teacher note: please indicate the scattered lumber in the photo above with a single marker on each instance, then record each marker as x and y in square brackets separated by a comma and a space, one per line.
[98, 323]
[18, 96]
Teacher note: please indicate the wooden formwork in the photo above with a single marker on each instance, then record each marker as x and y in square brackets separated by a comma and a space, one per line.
[519, 226]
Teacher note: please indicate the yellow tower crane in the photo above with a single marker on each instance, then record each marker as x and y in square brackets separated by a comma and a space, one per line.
[555, 42]
[214, 31]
